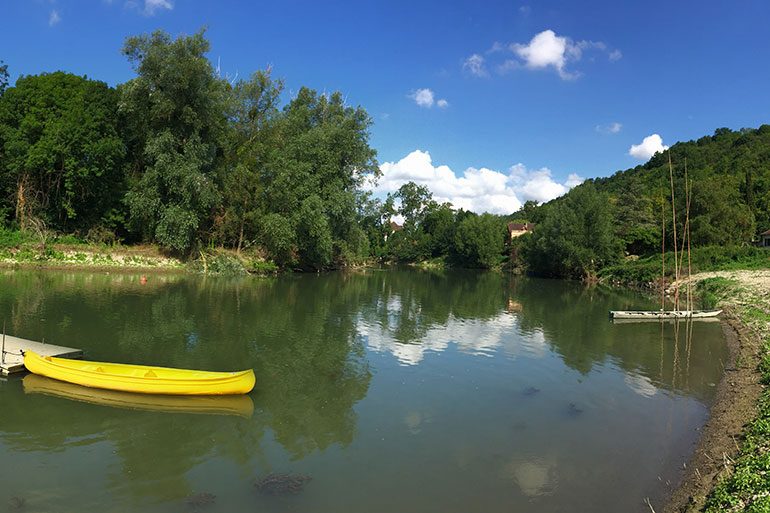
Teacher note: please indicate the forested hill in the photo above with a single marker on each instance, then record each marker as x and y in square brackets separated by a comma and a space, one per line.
[730, 177]
[602, 220]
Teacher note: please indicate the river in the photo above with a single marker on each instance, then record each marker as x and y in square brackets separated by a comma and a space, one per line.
[378, 391]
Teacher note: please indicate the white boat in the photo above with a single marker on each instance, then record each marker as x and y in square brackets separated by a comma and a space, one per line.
[664, 314]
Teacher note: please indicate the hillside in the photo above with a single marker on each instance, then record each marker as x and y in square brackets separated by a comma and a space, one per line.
[729, 177]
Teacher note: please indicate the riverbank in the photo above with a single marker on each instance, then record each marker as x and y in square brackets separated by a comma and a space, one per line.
[146, 258]
[84, 256]
[728, 469]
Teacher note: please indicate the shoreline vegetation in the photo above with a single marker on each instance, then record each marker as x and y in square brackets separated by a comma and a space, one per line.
[729, 469]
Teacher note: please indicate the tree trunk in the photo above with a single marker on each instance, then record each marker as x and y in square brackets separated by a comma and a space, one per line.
[240, 236]
[21, 201]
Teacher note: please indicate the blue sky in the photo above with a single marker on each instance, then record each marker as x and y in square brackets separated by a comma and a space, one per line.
[538, 93]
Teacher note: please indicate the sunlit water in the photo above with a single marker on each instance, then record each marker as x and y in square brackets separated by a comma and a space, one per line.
[393, 390]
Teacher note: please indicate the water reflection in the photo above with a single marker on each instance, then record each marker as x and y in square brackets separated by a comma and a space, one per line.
[497, 387]
[240, 405]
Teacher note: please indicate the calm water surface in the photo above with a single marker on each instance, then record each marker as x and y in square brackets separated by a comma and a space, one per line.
[394, 390]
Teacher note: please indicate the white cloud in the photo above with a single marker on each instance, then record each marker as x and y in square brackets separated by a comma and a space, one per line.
[475, 66]
[612, 128]
[426, 98]
[423, 98]
[545, 50]
[573, 180]
[478, 189]
[54, 18]
[649, 146]
[151, 6]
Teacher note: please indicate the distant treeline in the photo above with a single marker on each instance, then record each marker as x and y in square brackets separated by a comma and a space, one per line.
[187, 160]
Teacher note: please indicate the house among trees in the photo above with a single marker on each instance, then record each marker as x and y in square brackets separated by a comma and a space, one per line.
[519, 229]
[764, 239]
[394, 227]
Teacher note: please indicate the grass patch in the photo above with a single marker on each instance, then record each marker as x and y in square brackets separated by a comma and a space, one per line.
[747, 487]
[709, 258]
[712, 291]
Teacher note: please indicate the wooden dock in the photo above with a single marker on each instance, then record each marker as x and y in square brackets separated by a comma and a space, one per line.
[11, 361]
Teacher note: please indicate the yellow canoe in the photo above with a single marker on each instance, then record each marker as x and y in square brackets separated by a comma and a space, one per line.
[240, 405]
[140, 379]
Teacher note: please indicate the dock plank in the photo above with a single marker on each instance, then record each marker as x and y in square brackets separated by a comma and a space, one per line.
[12, 361]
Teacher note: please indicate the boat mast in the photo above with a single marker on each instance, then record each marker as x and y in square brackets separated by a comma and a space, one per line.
[688, 190]
[663, 256]
[673, 224]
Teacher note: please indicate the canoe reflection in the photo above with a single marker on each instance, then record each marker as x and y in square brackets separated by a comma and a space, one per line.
[240, 405]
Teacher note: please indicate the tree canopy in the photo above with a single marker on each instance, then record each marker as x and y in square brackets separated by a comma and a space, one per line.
[62, 152]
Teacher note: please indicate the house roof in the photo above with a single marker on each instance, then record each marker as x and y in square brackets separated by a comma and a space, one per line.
[520, 227]
[394, 226]
[765, 233]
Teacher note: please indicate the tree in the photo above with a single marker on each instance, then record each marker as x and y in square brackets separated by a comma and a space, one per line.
[415, 201]
[718, 215]
[314, 173]
[174, 113]
[62, 154]
[479, 241]
[635, 219]
[439, 227]
[252, 113]
[411, 244]
[576, 238]
[3, 77]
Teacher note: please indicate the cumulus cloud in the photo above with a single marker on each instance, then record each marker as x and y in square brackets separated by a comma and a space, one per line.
[612, 128]
[649, 146]
[545, 50]
[423, 97]
[478, 189]
[426, 98]
[54, 18]
[475, 66]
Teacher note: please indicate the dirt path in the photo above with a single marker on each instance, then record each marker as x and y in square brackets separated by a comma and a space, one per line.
[737, 394]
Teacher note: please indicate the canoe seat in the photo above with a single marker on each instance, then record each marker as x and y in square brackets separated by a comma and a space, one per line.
[150, 374]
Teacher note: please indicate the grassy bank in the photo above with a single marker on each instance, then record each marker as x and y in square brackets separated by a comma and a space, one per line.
[743, 484]
[23, 249]
[646, 271]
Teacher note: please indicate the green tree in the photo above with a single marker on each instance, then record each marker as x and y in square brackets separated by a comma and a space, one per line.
[479, 240]
[62, 154]
[320, 161]
[439, 227]
[175, 116]
[3, 77]
[576, 238]
[252, 113]
[412, 243]
[718, 215]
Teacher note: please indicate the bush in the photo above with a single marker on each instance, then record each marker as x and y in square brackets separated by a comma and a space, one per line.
[12, 238]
